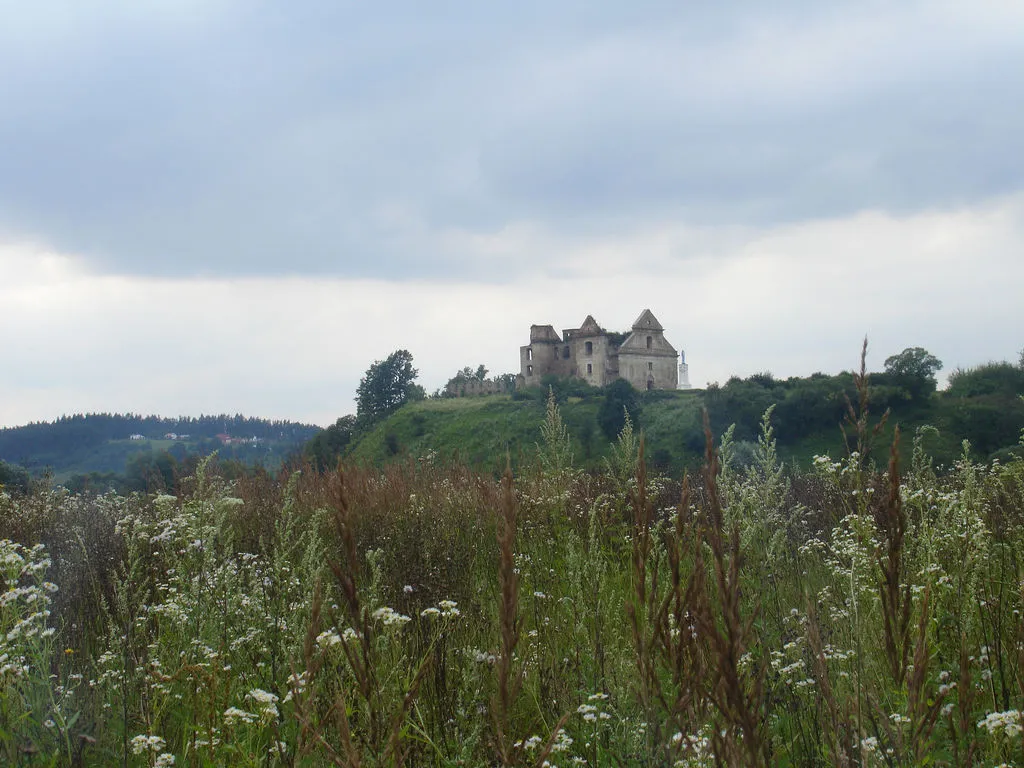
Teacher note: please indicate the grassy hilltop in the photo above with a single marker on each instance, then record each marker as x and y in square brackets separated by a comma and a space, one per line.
[481, 431]
[983, 406]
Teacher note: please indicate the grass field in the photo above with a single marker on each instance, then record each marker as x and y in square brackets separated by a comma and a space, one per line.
[429, 614]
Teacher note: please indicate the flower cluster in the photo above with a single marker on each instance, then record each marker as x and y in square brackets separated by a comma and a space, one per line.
[593, 710]
[390, 617]
[446, 609]
[1009, 723]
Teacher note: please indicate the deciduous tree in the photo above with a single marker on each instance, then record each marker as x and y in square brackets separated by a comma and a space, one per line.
[914, 368]
[387, 385]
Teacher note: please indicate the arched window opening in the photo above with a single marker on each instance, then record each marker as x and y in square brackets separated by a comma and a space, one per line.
[529, 353]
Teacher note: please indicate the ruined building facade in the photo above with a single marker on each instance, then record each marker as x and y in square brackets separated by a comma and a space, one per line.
[644, 358]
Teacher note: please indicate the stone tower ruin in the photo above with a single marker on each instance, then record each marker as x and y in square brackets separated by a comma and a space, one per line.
[644, 357]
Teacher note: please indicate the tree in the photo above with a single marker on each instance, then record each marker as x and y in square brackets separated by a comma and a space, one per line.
[14, 478]
[914, 369]
[619, 400]
[326, 447]
[387, 385]
[999, 379]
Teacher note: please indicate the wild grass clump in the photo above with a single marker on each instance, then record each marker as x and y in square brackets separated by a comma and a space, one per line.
[424, 614]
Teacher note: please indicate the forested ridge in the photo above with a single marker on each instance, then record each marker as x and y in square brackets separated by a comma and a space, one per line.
[107, 443]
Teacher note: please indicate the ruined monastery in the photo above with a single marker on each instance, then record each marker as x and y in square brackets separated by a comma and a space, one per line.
[644, 358]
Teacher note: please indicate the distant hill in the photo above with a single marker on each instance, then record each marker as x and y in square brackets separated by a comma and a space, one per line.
[106, 443]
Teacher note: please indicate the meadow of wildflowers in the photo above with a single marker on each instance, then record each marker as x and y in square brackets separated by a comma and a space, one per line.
[426, 615]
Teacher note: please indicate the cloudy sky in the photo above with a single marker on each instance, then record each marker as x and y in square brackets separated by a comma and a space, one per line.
[237, 206]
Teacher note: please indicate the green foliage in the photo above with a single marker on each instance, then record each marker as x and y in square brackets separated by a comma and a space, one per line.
[563, 388]
[387, 385]
[914, 369]
[620, 404]
[1001, 379]
[14, 479]
[555, 450]
[616, 338]
[742, 402]
[914, 362]
[621, 463]
[988, 422]
[326, 448]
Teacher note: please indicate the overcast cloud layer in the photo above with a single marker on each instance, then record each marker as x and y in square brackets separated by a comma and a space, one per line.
[238, 206]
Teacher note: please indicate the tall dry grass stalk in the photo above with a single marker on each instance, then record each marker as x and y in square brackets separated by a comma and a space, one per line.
[368, 733]
[509, 682]
[856, 423]
[924, 705]
[642, 605]
[894, 593]
[662, 622]
[675, 628]
[961, 724]
[838, 729]
[737, 680]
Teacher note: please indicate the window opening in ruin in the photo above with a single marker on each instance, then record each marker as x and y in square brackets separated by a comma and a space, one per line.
[649, 340]
[590, 347]
[590, 367]
[529, 370]
[565, 353]
[650, 366]
[529, 354]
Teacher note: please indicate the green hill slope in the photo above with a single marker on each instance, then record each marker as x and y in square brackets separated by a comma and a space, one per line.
[482, 431]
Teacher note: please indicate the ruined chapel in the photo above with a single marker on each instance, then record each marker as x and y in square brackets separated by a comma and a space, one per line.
[644, 357]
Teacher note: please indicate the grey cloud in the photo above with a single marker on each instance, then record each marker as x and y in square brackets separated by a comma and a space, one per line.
[342, 138]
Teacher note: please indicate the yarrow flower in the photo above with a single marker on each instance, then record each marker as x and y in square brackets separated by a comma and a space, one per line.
[147, 743]
[390, 616]
[529, 744]
[233, 715]
[1008, 722]
[448, 608]
[266, 701]
[328, 638]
